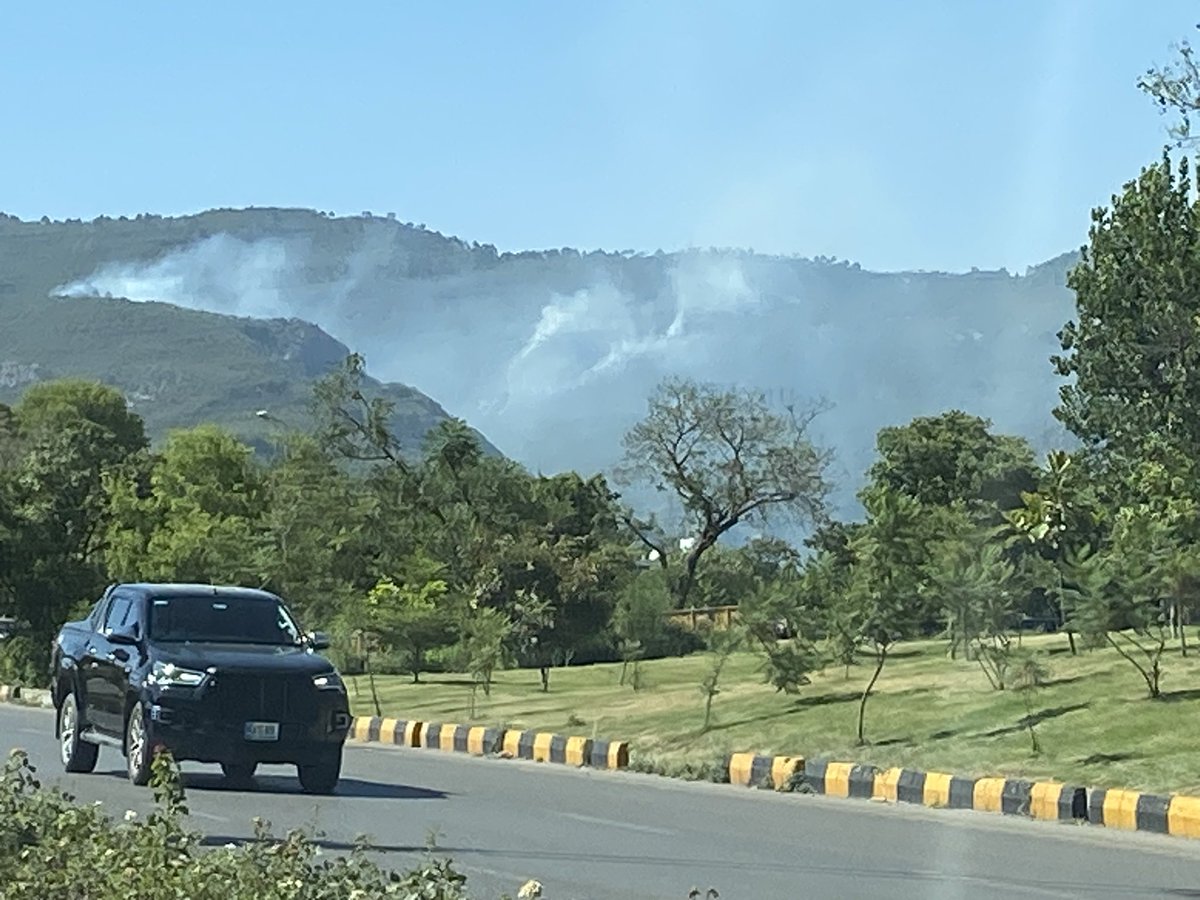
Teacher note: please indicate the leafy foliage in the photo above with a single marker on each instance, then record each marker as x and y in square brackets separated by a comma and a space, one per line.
[52, 847]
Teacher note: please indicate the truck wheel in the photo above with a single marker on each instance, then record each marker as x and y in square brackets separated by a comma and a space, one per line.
[239, 774]
[322, 777]
[77, 755]
[137, 746]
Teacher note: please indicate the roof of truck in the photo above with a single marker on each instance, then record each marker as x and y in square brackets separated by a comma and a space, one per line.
[167, 590]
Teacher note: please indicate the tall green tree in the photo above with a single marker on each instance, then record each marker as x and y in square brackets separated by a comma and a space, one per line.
[313, 548]
[1132, 350]
[201, 517]
[61, 441]
[953, 459]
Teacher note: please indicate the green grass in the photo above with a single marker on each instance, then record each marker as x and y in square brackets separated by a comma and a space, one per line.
[1096, 727]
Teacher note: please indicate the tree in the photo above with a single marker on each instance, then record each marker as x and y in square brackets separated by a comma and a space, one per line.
[728, 458]
[1116, 604]
[1059, 519]
[313, 549]
[953, 460]
[196, 517]
[723, 643]
[349, 424]
[1175, 88]
[411, 618]
[639, 618]
[1132, 350]
[59, 444]
[975, 586]
[485, 635]
[1029, 676]
[55, 406]
[826, 587]
[886, 587]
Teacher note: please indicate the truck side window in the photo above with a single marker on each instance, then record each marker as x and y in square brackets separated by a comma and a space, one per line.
[118, 612]
[96, 616]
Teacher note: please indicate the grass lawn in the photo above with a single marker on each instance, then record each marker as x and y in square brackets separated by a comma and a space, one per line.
[1096, 725]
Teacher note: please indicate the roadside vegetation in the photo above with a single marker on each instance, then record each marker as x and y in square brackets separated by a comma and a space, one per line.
[51, 846]
[1091, 721]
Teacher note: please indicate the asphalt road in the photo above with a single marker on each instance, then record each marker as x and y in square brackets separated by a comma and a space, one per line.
[601, 835]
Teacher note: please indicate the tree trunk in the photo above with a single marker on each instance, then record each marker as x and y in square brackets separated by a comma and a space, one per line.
[544, 671]
[690, 564]
[881, 656]
[371, 682]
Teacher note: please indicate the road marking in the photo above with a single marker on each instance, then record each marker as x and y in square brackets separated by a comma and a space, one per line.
[31, 730]
[209, 816]
[612, 823]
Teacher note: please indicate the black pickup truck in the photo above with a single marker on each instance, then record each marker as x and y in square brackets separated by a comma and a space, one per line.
[213, 674]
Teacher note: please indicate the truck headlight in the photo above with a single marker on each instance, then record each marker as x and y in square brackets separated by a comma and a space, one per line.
[329, 681]
[171, 675]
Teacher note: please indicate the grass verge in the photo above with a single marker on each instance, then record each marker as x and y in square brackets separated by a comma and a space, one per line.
[1094, 723]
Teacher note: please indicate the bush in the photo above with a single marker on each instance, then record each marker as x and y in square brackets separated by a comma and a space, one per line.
[675, 640]
[21, 663]
[52, 847]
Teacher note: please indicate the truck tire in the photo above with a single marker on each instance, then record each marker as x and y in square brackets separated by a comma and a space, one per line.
[77, 755]
[137, 746]
[322, 777]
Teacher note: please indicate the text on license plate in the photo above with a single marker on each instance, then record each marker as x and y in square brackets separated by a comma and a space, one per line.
[262, 731]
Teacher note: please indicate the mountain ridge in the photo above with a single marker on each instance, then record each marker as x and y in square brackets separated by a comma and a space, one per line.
[552, 353]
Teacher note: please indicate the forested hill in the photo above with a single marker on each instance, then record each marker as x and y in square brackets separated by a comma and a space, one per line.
[178, 367]
[551, 354]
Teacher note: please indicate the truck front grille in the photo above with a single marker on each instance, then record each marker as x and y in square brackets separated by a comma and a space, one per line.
[271, 698]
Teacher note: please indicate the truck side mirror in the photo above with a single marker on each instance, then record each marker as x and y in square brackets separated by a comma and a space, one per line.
[318, 640]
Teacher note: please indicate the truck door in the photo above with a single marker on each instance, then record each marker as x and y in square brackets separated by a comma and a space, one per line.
[105, 697]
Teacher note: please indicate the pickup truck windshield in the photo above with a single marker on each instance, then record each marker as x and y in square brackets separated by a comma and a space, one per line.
[231, 620]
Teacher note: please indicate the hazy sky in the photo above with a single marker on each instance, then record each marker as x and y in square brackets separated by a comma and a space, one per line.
[937, 134]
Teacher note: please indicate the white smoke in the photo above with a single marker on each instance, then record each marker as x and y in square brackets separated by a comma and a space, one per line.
[554, 377]
[220, 273]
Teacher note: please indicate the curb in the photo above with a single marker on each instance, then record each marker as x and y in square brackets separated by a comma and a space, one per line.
[26, 696]
[479, 740]
[1055, 801]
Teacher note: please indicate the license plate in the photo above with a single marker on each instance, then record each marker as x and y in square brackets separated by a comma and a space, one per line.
[262, 731]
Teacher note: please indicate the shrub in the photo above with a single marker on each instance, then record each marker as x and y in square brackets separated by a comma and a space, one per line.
[21, 664]
[52, 847]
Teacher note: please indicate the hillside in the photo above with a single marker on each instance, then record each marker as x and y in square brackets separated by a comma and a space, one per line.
[177, 366]
[551, 354]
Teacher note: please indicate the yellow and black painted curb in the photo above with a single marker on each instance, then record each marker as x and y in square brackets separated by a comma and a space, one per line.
[1135, 811]
[1045, 800]
[10, 693]
[756, 770]
[480, 740]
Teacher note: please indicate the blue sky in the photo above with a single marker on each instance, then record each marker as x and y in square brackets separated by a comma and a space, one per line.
[913, 134]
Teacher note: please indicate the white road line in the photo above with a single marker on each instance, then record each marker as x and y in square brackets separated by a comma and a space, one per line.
[209, 816]
[613, 823]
